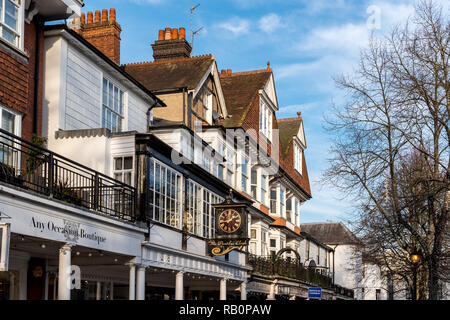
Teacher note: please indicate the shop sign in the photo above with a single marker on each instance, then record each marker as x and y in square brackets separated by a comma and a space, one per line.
[230, 229]
[4, 245]
[71, 231]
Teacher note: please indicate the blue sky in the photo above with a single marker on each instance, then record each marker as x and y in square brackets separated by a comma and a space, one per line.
[306, 41]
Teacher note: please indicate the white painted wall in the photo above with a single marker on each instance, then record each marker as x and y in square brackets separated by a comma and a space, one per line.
[73, 91]
[348, 268]
[372, 281]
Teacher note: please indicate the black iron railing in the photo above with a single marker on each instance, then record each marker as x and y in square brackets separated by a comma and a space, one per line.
[29, 166]
[289, 268]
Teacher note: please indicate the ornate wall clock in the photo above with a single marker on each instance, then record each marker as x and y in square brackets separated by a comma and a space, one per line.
[229, 221]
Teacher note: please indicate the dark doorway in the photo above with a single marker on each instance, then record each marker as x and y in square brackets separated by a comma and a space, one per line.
[36, 279]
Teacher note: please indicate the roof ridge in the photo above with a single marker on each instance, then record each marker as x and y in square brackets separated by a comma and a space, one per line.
[242, 73]
[289, 119]
[164, 61]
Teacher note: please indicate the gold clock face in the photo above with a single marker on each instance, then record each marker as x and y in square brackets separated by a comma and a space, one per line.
[229, 221]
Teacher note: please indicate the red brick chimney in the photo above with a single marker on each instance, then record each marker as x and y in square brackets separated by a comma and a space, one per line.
[171, 44]
[102, 31]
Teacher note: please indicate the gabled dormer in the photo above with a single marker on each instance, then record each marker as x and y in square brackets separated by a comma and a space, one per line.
[292, 148]
[189, 86]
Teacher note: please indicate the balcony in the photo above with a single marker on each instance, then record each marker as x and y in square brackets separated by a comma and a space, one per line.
[288, 268]
[28, 166]
[291, 269]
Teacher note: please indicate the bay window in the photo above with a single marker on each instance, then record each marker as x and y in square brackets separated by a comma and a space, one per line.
[164, 203]
[200, 218]
[11, 21]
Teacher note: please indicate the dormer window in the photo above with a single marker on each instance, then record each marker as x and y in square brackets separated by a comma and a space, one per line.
[265, 120]
[298, 158]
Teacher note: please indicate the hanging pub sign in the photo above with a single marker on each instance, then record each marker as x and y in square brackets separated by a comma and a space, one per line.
[230, 227]
[4, 246]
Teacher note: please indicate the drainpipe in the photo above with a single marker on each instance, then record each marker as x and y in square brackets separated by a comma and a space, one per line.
[37, 70]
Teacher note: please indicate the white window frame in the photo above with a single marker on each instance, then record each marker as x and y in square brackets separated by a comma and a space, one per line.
[120, 113]
[264, 187]
[123, 171]
[174, 220]
[17, 127]
[245, 176]
[265, 119]
[19, 33]
[197, 212]
[298, 158]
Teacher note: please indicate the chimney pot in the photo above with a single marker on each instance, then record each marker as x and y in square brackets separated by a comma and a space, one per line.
[229, 72]
[90, 18]
[104, 15]
[161, 35]
[182, 33]
[112, 14]
[168, 34]
[97, 16]
[299, 114]
[83, 18]
[174, 33]
[164, 49]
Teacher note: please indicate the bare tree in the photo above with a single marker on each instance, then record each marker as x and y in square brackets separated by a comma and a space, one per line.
[391, 146]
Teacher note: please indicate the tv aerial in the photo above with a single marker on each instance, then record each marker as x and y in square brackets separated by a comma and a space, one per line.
[193, 33]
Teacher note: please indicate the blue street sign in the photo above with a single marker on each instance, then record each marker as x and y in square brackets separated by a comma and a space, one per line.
[315, 293]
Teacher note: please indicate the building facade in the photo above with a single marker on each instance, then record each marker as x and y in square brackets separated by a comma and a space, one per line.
[116, 192]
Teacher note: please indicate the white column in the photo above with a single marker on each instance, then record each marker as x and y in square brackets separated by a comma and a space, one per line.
[179, 289]
[65, 253]
[244, 290]
[223, 289]
[98, 294]
[271, 295]
[140, 283]
[132, 286]
[111, 290]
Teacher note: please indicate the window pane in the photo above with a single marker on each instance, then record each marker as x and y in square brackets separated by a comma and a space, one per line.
[118, 164]
[11, 15]
[105, 92]
[128, 163]
[110, 95]
[116, 99]
[9, 36]
[8, 121]
[120, 102]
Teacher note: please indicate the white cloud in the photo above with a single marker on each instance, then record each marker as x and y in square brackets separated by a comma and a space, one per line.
[270, 22]
[292, 109]
[347, 38]
[236, 26]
